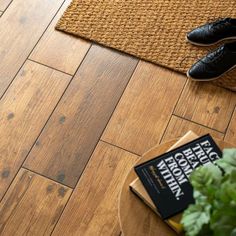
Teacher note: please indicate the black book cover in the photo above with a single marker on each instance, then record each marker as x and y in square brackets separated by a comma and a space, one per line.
[166, 177]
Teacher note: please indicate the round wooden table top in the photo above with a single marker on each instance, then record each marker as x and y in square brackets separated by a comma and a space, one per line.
[135, 217]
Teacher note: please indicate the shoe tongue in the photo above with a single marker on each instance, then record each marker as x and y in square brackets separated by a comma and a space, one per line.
[221, 22]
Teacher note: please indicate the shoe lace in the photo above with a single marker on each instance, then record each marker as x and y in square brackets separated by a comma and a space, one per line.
[219, 23]
[216, 55]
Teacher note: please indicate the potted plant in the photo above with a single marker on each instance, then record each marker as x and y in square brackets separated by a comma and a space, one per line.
[214, 211]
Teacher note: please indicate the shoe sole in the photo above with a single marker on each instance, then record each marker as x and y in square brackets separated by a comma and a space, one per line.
[206, 80]
[210, 44]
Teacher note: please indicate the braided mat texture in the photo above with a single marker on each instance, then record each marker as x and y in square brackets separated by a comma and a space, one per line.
[153, 30]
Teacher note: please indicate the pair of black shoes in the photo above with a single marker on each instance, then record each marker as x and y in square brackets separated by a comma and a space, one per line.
[220, 61]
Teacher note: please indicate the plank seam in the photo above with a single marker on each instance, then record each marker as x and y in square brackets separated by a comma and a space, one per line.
[23, 162]
[103, 141]
[44, 176]
[98, 140]
[198, 123]
[19, 201]
[226, 130]
[3, 11]
[52, 112]
[107, 124]
[62, 211]
[31, 50]
[53, 109]
[82, 174]
[180, 94]
[50, 67]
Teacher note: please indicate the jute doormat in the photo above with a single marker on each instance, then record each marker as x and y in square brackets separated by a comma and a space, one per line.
[153, 30]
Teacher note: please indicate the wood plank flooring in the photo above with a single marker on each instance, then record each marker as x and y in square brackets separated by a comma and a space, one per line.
[21, 26]
[75, 127]
[104, 174]
[24, 110]
[4, 4]
[145, 108]
[60, 51]
[32, 205]
[75, 117]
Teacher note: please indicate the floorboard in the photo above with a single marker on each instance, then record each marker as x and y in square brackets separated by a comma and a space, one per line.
[4, 4]
[74, 129]
[179, 127]
[145, 108]
[59, 50]
[206, 104]
[74, 118]
[24, 110]
[231, 132]
[93, 207]
[21, 26]
[32, 205]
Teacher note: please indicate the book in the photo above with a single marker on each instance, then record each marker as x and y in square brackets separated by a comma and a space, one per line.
[138, 189]
[165, 178]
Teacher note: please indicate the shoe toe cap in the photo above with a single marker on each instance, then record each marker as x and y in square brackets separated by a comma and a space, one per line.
[200, 35]
[196, 36]
[199, 72]
[194, 73]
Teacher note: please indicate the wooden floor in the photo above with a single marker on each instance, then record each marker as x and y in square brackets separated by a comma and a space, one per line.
[75, 117]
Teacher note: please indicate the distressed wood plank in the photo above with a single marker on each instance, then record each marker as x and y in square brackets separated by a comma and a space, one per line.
[145, 108]
[21, 26]
[92, 209]
[74, 129]
[24, 110]
[231, 132]
[206, 104]
[179, 127]
[32, 205]
[59, 50]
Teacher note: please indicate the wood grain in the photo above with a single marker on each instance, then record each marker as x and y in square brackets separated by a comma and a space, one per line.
[21, 27]
[93, 207]
[24, 110]
[179, 127]
[231, 132]
[4, 4]
[74, 129]
[206, 104]
[59, 50]
[32, 205]
[136, 218]
[145, 108]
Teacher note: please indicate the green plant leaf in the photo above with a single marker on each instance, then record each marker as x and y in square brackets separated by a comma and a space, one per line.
[194, 218]
[214, 211]
[228, 162]
[206, 178]
[233, 233]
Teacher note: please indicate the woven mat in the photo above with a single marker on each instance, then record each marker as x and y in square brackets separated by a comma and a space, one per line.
[153, 30]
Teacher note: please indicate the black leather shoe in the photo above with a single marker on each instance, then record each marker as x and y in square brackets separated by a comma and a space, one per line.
[215, 64]
[213, 32]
